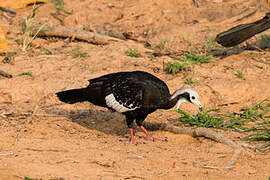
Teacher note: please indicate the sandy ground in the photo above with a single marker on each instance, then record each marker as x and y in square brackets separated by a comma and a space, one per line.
[89, 144]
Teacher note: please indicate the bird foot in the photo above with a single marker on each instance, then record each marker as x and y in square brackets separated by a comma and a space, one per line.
[132, 138]
[149, 137]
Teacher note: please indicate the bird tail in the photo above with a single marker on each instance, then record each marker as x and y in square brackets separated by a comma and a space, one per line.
[73, 96]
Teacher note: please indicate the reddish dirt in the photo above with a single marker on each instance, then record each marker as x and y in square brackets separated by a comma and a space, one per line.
[89, 144]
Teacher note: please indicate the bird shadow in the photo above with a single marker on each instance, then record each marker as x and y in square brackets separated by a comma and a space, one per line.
[104, 121]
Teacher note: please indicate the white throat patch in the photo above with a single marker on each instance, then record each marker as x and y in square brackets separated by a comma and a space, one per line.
[180, 101]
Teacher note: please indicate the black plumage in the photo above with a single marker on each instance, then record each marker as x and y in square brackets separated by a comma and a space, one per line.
[135, 94]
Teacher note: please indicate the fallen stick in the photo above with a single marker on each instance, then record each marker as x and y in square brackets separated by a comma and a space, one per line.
[225, 52]
[240, 33]
[199, 132]
[64, 32]
[6, 9]
[4, 74]
[25, 125]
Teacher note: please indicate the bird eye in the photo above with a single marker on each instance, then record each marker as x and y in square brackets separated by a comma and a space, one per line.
[193, 97]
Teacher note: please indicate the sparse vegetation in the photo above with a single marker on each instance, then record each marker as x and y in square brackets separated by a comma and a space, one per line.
[193, 59]
[261, 132]
[27, 178]
[27, 74]
[28, 35]
[202, 119]
[46, 52]
[190, 81]
[238, 121]
[186, 61]
[59, 6]
[162, 44]
[253, 113]
[78, 52]
[133, 53]
[175, 67]
[240, 74]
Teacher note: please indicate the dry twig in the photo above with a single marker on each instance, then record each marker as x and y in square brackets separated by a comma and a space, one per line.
[4, 74]
[25, 124]
[10, 10]
[64, 32]
[199, 132]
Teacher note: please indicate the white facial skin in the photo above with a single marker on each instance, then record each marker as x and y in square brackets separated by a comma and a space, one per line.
[194, 97]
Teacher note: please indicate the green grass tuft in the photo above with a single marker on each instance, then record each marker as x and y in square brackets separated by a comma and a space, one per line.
[254, 113]
[28, 35]
[240, 74]
[47, 52]
[186, 62]
[133, 53]
[27, 74]
[27, 178]
[175, 67]
[261, 132]
[238, 121]
[59, 6]
[190, 81]
[202, 119]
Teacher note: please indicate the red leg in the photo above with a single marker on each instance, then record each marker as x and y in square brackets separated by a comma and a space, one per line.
[149, 137]
[132, 138]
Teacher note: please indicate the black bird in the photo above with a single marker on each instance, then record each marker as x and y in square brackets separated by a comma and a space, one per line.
[134, 94]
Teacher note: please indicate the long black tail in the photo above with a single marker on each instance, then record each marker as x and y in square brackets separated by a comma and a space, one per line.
[73, 95]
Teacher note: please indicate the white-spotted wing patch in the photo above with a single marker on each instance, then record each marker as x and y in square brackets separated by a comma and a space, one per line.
[112, 103]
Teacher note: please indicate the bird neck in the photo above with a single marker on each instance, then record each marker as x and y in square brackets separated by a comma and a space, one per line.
[173, 99]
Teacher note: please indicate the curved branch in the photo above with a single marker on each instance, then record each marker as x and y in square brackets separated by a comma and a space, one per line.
[199, 132]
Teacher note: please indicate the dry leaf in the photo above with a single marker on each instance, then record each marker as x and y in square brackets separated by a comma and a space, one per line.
[19, 4]
[3, 42]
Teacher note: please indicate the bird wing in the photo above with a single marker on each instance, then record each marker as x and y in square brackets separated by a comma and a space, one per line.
[123, 94]
[127, 91]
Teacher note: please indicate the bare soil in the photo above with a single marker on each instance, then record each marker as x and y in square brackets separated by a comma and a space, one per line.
[89, 144]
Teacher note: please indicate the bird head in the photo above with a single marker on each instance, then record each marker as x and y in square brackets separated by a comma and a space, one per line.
[187, 94]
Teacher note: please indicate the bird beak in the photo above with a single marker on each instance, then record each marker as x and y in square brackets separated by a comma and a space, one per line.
[200, 106]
